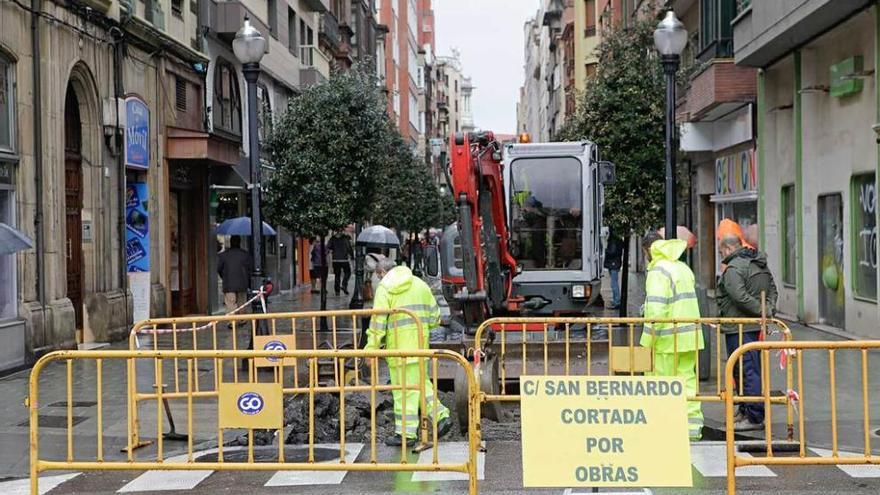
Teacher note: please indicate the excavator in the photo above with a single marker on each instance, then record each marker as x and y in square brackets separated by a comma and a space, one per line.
[527, 241]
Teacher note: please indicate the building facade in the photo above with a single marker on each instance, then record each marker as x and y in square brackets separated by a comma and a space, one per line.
[817, 121]
[143, 104]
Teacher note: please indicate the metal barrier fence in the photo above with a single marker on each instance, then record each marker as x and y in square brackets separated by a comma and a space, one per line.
[309, 330]
[108, 459]
[796, 350]
[493, 361]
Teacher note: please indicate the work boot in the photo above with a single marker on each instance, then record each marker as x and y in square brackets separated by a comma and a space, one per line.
[396, 440]
[745, 424]
[443, 427]
[739, 416]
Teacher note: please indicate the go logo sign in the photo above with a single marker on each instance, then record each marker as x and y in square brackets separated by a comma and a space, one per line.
[250, 403]
[274, 345]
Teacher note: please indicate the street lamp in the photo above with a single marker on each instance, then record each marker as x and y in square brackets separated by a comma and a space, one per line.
[670, 38]
[249, 47]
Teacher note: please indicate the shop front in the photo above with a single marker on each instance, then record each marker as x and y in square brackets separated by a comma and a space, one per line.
[736, 191]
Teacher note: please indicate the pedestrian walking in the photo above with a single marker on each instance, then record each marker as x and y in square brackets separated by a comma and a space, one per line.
[671, 293]
[313, 273]
[318, 261]
[744, 282]
[399, 288]
[340, 246]
[613, 262]
[234, 265]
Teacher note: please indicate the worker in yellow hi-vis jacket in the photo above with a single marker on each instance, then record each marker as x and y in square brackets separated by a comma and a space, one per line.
[670, 293]
[399, 289]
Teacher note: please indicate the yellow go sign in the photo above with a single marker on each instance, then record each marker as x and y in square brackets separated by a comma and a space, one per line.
[251, 405]
[604, 432]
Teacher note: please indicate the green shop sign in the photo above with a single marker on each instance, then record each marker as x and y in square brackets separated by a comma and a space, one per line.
[846, 77]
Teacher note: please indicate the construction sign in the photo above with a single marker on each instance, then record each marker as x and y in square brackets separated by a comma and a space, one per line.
[274, 343]
[250, 405]
[604, 432]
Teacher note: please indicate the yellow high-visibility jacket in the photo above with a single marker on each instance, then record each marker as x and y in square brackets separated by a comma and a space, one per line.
[670, 293]
[399, 289]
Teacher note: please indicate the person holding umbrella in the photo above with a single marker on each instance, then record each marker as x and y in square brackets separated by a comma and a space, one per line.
[234, 265]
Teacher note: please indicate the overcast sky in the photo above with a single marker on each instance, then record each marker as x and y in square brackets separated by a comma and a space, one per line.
[489, 34]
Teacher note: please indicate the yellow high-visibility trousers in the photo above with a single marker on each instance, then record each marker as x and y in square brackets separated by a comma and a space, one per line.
[408, 420]
[664, 365]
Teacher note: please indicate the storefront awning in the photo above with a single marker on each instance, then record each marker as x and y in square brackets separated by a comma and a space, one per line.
[185, 144]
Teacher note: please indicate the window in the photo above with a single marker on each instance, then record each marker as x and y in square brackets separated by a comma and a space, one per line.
[864, 232]
[264, 113]
[7, 124]
[413, 110]
[546, 205]
[8, 292]
[177, 8]
[591, 70]
[590, 24]
[272, 6]
[788, 236]
[227, 102]
[180, 93]
[291, 33]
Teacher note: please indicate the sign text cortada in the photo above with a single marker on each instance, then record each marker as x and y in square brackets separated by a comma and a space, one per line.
[604, 432]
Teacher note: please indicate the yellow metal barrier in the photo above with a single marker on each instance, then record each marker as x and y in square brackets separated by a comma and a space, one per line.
[109, 459]
[796, 350]
[308, 330]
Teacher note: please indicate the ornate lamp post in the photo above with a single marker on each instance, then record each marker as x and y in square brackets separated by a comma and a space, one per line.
[670, 38]
[249, 47]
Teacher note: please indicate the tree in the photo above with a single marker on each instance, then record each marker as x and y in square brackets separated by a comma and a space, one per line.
[326, 149]
[622, 111]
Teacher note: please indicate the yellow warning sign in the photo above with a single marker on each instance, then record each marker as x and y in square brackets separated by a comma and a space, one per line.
[604, 432]
[250, 405]
[274, 343]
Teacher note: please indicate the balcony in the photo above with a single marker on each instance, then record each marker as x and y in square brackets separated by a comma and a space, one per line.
[315, 66]
[317, 5]
[719, 88]
[328, 31]
[226, 18]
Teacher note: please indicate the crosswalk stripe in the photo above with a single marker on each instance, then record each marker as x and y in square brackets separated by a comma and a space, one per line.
[23, 486]
[299, 478]
[866, 471]
[168, 480]
[449, 452]
[711, 462]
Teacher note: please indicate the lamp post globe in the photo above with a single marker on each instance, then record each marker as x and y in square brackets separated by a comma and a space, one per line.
[670, 38]
[249, 44]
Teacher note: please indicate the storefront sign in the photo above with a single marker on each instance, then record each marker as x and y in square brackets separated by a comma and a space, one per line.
[137, 228]
[736, 173]
[137, 133]
[251, 405]
[604, 432]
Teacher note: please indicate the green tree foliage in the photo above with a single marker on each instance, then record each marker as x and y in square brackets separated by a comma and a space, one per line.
[326, 149]
[622, 111]
[408, 197]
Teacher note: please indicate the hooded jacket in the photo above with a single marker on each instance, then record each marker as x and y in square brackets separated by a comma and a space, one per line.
[399, 289]
[740, 286]
[670, 293]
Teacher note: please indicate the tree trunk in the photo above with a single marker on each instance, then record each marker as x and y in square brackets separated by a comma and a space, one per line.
[624, 278]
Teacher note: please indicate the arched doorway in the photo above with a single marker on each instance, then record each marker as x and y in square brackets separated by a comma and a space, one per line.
[73, 202]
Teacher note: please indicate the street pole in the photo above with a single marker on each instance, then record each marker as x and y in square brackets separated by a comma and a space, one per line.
[251, 74]
[357, 298]
[670, 67]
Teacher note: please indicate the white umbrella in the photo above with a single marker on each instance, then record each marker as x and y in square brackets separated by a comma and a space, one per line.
[378, 236]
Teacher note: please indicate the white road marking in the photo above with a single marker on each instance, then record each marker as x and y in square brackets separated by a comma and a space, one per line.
[299, 478]
[449, 453]
[23, 487]
[165, 481]
[865, 471]
[711, 462]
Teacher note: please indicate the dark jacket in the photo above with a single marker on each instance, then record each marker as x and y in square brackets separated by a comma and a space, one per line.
[234, 266]
[340, 245]
[739, 288]
[614, 253]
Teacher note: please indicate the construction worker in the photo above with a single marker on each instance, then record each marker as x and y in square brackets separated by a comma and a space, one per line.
[399, 289]
[670, 293]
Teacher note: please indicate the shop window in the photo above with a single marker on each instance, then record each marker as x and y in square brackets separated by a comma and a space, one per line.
[227, 102]
[832, 309]
[788, 237]
[864, 233]
[7, 124]
[8, 298]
